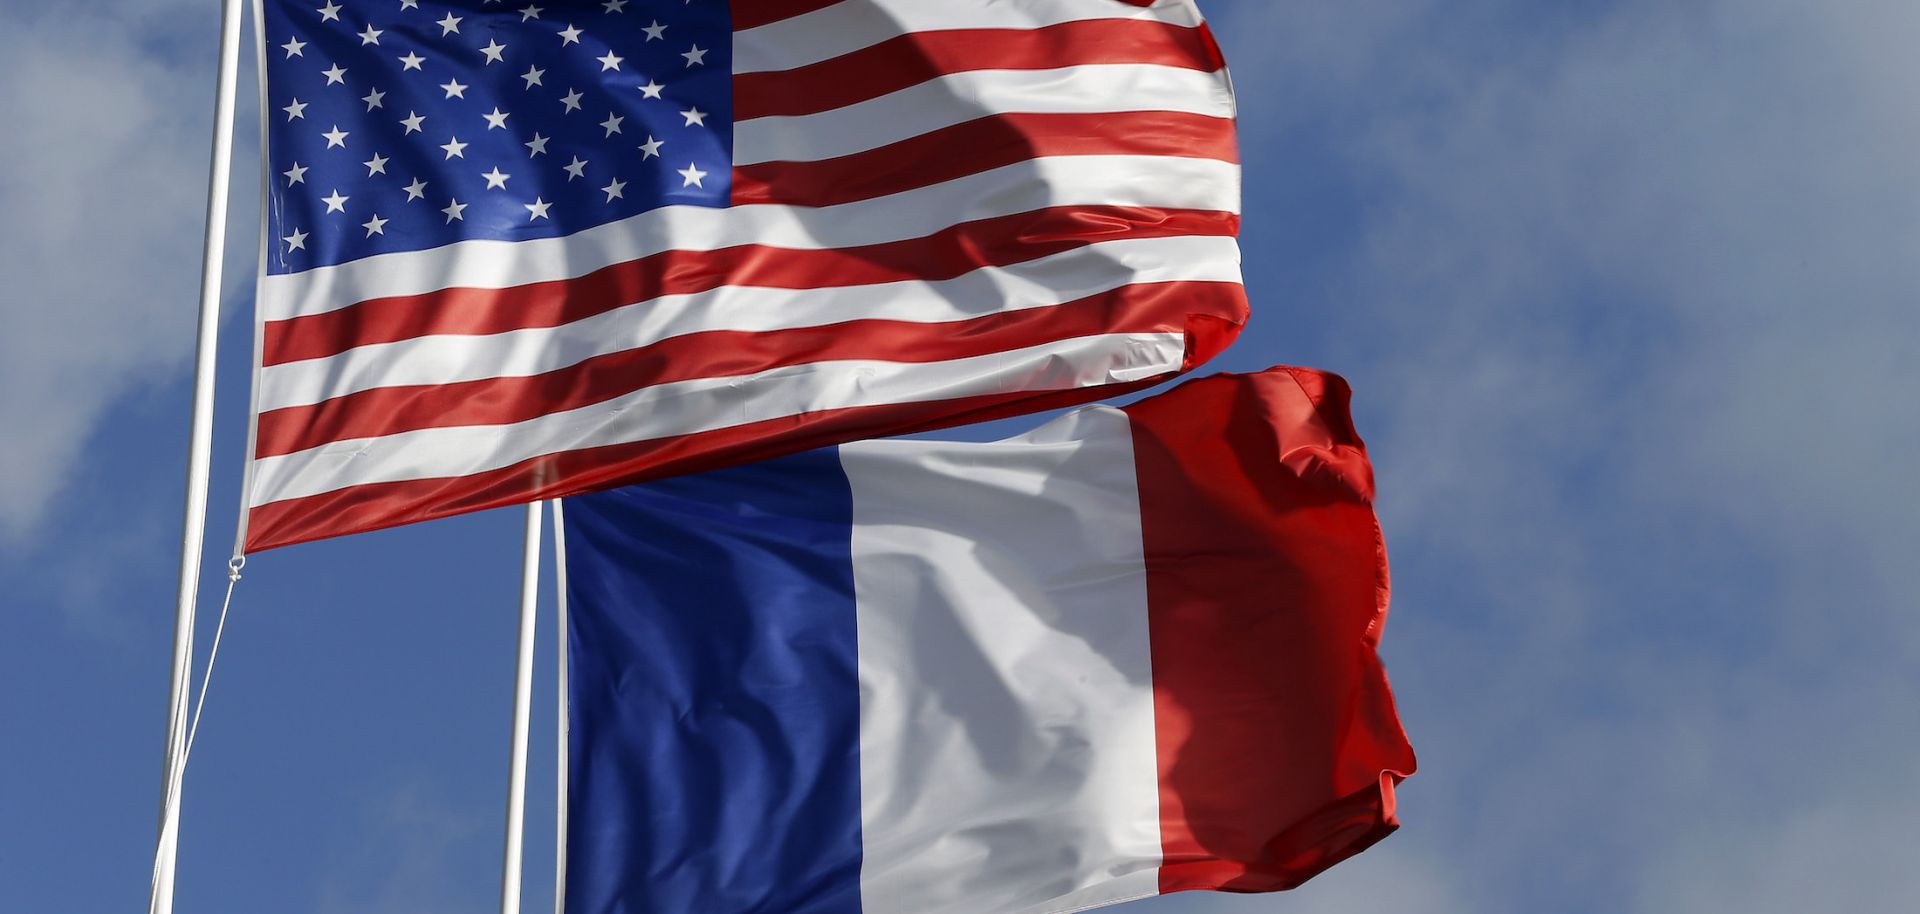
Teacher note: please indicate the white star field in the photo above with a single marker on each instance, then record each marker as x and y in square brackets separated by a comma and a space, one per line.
[410, 124]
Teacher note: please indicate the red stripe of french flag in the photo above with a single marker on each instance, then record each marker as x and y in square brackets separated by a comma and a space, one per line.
[1279, 746]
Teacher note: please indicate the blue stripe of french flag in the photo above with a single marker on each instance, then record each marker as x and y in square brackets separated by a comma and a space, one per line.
[1128, 653]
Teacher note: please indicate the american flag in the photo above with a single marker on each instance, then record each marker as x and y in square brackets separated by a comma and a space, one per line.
[525, 250]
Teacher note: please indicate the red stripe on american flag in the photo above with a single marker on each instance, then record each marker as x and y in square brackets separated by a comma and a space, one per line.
[388, 504]
[749, 14]
[1140, 308]
[946, 254]
[918, 57]
[1208, 313]
[983, 145]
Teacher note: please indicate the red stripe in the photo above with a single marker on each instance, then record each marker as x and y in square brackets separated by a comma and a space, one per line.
[1279, 745]
[982, 145]
[750, 13]
[381, 505]
[943, 255]
[1142, 308]
[917, 57]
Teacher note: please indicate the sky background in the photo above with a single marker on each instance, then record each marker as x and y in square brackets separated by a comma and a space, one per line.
[1629, 293]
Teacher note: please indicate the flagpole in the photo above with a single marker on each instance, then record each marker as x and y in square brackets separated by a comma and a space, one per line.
[561, 634]
[199, 462]
[522, 710]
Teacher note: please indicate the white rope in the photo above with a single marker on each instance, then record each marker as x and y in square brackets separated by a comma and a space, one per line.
[200, 703]
[177, 773]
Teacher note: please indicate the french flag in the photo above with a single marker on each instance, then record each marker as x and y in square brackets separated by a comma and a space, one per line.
[1131, 652]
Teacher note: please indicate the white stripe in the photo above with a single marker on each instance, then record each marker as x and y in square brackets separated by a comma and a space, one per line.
[704, 404]
[847, 27]
[968, 96]
[1007, 754]
[1064, 277]
[1151, 181]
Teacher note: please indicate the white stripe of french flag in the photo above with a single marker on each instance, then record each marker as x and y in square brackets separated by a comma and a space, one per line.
[1129, 653]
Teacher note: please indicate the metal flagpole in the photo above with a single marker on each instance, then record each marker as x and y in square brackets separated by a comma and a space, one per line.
[522, 710]
[561, 633]
[199, 450]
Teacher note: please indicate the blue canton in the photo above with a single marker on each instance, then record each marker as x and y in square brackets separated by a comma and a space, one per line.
[402, 125]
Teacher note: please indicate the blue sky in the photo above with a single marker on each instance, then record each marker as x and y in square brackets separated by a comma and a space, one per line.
[1629, 293]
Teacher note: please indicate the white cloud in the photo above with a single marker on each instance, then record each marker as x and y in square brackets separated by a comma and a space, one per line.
[1629, 296]
[102, 190]
[411, 854]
